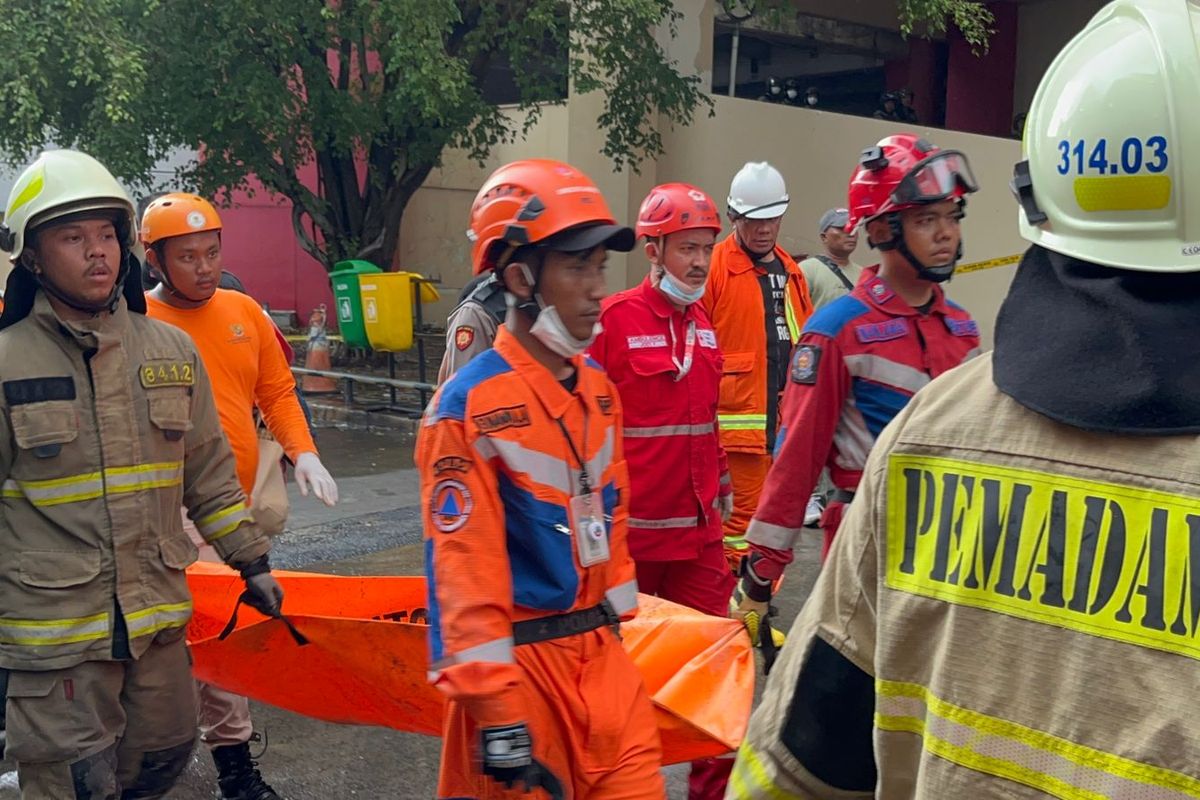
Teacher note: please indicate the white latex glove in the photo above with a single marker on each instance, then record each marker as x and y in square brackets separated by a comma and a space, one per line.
[311, 472]
[725, 506]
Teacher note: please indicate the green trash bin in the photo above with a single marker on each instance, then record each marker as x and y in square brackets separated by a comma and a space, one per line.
[348, 299]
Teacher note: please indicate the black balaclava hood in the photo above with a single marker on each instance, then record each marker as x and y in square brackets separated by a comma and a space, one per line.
[1099, 348]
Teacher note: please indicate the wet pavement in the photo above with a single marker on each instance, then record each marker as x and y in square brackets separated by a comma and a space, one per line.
[375, 530]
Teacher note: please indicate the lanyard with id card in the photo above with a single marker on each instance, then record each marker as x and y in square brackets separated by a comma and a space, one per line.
[586, 511]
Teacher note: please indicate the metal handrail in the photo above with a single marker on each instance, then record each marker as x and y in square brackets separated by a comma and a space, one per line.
[349, 379]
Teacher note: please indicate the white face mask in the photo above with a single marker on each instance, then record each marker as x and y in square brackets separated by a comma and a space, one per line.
[811, 100]
[679, 291]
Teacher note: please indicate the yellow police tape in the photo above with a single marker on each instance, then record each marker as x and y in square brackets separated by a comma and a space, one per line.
[975, 266]
[1098, 558]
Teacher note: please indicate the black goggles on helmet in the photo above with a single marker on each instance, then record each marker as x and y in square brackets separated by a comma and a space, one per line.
[935, 179]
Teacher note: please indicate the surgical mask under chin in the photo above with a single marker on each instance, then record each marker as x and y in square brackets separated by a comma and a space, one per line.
[549, 329]
[678, 291]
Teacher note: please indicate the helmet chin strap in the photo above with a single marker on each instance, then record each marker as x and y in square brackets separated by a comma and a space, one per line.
[936, 274]
[165, 278]
[109, 305]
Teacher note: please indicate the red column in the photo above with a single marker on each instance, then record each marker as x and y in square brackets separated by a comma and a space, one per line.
[979, 89]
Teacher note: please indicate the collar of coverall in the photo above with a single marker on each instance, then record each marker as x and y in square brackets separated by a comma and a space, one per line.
[89, 333]
[1099, 348]
[660, 305]
[553, 396]
[881, 295]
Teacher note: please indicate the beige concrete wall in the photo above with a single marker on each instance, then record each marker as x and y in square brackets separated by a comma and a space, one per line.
[816, 152]
[1042, 30]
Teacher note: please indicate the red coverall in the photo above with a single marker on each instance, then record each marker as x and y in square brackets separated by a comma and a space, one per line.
[858, 362]
[497, 474]
[677, 467]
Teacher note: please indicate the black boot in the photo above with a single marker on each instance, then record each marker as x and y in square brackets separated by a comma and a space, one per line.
[238, 774]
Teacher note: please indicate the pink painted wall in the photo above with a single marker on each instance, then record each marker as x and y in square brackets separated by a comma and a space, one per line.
[261, 248]
[979, 89]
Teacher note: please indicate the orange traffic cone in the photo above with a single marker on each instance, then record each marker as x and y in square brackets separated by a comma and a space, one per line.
[317, 355]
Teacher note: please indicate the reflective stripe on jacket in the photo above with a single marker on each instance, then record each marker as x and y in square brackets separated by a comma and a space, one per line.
[107, 427]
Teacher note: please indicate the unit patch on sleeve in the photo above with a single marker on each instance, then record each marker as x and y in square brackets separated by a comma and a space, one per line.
[605, 403]
[450, 505]
[37, 390]
[502, 418]
[464, 336]
[155, 374]
[804, 364]
[707, 338]
[451, 464]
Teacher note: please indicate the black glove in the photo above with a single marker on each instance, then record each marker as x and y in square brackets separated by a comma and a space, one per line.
[263, 593]
[508, 759]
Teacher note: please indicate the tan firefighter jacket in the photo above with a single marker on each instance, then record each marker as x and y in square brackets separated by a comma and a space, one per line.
[1011, 609]
[107, 427]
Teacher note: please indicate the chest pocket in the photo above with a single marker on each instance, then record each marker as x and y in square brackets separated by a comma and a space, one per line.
[648, 363]
[171, 411]
[41, 429]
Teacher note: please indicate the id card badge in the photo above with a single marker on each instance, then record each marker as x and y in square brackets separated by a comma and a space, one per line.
[589, 530]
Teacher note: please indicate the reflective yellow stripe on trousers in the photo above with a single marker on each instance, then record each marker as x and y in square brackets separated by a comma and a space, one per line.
[1004, 749]
[92, 485]
[742, 422]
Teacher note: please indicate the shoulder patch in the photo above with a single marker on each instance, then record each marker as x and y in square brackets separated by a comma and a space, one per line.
[881, 331]
[708, 338]
[962, 327]
[502, 419]
[464, 337]
[605, 402]
[38, 390]
[804, 364]
[451, 505]
[451, 464]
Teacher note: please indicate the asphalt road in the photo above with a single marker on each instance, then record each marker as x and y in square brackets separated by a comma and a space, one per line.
[375, 530]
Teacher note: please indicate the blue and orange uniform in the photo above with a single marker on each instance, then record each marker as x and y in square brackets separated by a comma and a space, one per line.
[859, 361]
[521, 631]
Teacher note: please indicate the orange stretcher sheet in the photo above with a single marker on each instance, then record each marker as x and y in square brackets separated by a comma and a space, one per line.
[367, 658]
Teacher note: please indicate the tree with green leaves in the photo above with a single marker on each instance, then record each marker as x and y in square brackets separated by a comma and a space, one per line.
[371, 92]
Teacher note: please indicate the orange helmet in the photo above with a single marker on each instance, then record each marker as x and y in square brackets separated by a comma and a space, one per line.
[539, 201]
[177, 214]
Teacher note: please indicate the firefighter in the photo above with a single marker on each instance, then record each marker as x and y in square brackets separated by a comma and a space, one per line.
[524, 489]
[660, 350]
[864, 355]
[110, 427]
[237, 342]
[1010, 608]
[472, 325]
[758, 301]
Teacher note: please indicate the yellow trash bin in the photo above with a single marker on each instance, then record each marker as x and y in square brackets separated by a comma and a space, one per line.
[387, 303]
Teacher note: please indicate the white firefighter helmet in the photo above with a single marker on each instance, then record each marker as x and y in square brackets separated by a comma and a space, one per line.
[758, 192]
[58, 183]
[1107, 138]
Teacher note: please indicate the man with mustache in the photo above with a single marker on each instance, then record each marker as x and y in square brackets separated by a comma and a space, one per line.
[107, 428]
[660, 349]
[758, 301]
[864, 355]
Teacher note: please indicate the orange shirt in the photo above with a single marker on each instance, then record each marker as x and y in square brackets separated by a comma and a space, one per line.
[247, 368]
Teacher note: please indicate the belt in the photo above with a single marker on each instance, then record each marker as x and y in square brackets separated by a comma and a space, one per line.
[556, 627]
[842, 496]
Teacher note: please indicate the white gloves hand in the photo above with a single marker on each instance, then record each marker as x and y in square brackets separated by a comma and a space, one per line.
[311, 472]
[725, 506]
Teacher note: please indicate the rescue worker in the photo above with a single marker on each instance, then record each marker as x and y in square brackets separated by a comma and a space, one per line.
[237, 342]
[472, 325]
[864, 355]
[109, 427]
[829, 276]
[524, 490]
[758, 301]
[1010, 608]
[659, 348]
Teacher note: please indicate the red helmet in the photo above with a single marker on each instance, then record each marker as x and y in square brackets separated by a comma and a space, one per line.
[676, 207]
[528, 202]
[904, 171]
